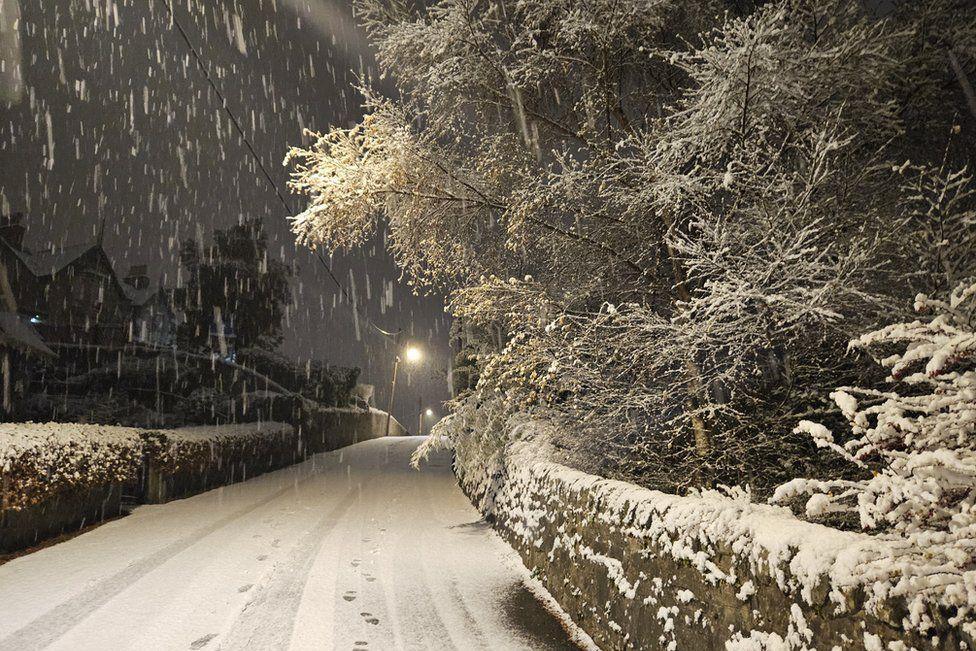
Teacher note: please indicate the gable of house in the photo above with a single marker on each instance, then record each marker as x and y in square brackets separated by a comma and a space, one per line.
[23, 281]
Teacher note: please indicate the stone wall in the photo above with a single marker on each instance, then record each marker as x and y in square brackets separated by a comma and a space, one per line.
[639, 569]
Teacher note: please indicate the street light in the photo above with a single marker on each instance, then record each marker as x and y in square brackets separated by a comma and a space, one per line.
[412, 355]
[428, 413]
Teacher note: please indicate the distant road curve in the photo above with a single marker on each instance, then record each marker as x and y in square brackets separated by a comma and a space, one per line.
[350, 550]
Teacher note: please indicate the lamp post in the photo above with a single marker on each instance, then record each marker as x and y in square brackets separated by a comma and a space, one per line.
[424, 412]
[412, 355]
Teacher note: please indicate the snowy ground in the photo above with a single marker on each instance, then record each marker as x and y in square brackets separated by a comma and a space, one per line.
[350, 550]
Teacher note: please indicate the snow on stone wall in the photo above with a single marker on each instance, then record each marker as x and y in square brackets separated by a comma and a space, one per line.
[641, 569]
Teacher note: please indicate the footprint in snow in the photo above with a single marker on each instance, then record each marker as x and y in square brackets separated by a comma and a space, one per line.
[360, 646]
[369, 618]
[202, 642]
[263, 557]
[355, 562]
[245, 588]
[350, 596]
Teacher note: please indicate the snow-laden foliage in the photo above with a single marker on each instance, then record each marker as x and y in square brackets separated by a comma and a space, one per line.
[382, 166]
[661, 222]
[917, 434]
[917, 437]
[940, 209]
[40, 460]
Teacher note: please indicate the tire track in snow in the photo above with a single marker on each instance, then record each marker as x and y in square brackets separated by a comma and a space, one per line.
[456, 606]
[46, 629]
[267, 621]
[425, 607]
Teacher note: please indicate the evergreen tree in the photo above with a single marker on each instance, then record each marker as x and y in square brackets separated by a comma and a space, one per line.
[236, 296]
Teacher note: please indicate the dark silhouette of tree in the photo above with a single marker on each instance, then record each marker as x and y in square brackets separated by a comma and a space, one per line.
[236, 295]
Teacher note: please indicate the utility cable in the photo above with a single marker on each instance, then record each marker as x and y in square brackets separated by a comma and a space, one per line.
[264, 170]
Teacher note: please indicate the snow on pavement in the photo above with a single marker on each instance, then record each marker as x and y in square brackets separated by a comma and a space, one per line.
[349, 550]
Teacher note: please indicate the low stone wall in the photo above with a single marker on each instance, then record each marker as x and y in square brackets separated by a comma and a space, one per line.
[640, 569]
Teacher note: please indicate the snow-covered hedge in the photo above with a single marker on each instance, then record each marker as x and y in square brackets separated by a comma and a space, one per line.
[191, 460]
[640, 568]
[194, 447]
[39, 460]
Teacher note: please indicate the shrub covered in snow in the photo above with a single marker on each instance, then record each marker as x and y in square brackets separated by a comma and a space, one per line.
[199, 447]
[38, 461]
[918, 438]
[324, 383]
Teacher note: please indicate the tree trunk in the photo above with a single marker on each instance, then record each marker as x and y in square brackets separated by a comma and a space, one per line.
[963, 78]
[703, 439]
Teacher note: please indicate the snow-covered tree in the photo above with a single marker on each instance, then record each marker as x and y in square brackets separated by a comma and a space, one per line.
[917, 434]
[917, 437]
[695, 205]
[939, 210]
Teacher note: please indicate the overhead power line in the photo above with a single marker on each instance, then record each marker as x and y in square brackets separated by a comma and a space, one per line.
[354, 304]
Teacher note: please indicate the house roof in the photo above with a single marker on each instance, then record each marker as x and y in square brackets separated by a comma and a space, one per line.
[53, 261]
[48, 263]
[16, 332]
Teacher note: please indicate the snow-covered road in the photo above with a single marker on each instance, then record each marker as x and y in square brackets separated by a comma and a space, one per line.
[350, 550]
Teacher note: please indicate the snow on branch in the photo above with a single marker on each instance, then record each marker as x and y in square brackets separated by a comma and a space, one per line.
[918, 437]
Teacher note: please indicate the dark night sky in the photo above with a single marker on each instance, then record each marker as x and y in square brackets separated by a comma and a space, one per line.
[116, 122]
